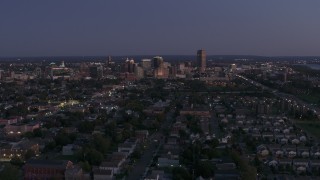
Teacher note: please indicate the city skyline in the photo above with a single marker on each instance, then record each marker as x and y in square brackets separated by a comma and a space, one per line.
[100, 28]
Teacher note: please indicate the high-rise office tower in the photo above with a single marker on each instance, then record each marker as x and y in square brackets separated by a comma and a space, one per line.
[285, 74]
[138, 72]
[201, 60]
[1, 73]
[157, 62]
[96, 72]
[62, 65]
[38, 72]
[233, 67]
[146, 64]
[84, 69]
[109, 60]
[129, 66]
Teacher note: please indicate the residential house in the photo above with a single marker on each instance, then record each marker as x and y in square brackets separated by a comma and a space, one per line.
[301, 165]
[142, 135]
[114, 162]
[157, 175]
[167, 161]
[74, 173]
[68, 150]
[128, 146]
[315, 164]
[227, 174]
[285, 162]
[102, 174]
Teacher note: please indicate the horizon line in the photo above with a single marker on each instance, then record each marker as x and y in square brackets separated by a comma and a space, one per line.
[52, 56]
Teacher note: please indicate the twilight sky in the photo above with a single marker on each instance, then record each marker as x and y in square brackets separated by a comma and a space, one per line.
[163, 27]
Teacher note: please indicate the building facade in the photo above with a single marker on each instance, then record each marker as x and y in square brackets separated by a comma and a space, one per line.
[201, 60]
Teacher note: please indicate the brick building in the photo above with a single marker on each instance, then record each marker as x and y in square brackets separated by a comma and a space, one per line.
[46, 169]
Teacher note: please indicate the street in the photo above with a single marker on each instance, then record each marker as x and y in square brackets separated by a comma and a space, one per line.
[155, 141]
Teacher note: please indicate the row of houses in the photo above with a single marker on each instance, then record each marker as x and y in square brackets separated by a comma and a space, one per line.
[298, 165]
[285, 146]
[116, 161]
[289, 151]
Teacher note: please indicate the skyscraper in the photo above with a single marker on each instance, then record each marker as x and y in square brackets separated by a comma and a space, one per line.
[146, 64]
[108, 61]
[129, 66]
[201, 60]
[38, 72]
[96, 71]
[1, 73]
[285, 74]
[138, 72]
[157, 62]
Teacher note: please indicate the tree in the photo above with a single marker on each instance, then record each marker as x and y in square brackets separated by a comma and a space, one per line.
[94, 157]
[135, 106]
[212, 153]
[136, 154]
[248, 172]
[16, 161]
[205, 169]
[38, 133]
[180, 174]
[10, 173]
[86, 127]
[50, 146]
[29, 154]
[128, 131]
[63, 139]
[183, 134]
[28, 135]
[85, 166]
[110, 130]
[213, 143]
[196, 98]
[197, 86]
[101, 143]
[160, 117]
[187, 156]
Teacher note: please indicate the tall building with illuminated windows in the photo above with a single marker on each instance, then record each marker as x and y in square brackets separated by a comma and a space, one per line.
[157, 62]
[201, 60]
[146, 64]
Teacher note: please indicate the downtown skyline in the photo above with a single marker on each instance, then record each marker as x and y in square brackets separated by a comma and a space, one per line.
[100, 28]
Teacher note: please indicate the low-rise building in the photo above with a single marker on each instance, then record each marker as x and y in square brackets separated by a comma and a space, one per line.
[167, 161]
[46, 169]
[102, 174]
[18, 129]
[68, 150]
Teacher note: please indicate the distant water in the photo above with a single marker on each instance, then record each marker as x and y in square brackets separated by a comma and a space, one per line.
[312, 66]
